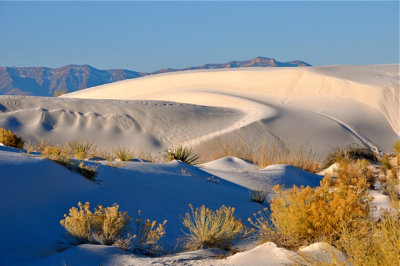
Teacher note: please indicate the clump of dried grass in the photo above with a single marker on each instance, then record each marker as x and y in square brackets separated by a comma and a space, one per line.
[124, 154]
[266, 152]
[352, 152]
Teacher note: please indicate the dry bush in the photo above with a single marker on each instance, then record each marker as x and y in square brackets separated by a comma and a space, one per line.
[209, 229]
[124, 154]
[60, 92]
[81, 150]
[396, 146]
[147, 235]
[11, 139]
[304, 215]
[184, 154]
[264, 153]
[375, 242]
[103, 226]
[258, 195]
[109, 226]
[352, 152]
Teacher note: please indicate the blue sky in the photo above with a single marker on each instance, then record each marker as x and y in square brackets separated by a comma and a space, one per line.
[147, 36]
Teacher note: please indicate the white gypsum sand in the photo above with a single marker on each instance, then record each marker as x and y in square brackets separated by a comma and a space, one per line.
[323, 106]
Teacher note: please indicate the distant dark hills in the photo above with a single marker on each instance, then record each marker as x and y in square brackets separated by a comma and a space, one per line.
[44, 81]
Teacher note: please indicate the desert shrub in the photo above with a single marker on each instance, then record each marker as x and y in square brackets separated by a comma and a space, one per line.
[375, 242]
[81, 150]
[147, 234]
[124, 154]
[265, 152]
[352, 152]
[396, 146]
[304, 215]
[60, 92]
[103, 226]
[212, 229]
[11, 139]
[184, 154]
[258, 195]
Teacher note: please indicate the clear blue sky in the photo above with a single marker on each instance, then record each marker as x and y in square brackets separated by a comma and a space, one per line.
[146, 36]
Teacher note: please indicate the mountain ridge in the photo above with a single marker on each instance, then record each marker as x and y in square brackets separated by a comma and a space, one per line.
[45, 81]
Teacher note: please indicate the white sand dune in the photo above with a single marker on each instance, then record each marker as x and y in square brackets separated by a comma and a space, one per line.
[324, 106]
[145, 125]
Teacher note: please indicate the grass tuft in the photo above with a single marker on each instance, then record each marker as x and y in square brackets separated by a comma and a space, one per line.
[124, 154]
[258, 195]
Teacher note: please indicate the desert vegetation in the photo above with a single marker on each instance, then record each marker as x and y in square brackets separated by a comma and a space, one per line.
[212, 229]
[337, 212]
[123, 154]
[109, 226]
[268, 151]
[258, 195]
[11, 139]
[184, 154]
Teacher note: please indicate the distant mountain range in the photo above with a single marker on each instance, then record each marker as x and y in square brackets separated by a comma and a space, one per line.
[44, 81]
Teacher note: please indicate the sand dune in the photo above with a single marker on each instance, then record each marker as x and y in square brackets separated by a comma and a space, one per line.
[148, 125]
[325, 106]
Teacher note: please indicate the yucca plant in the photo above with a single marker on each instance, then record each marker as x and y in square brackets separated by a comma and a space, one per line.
[184, 154]
[81, 149]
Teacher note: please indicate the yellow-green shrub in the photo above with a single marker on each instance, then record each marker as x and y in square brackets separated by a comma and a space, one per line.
[305, 215]
[212, 229]
[107, 224]
[147, 235]
[11, 139]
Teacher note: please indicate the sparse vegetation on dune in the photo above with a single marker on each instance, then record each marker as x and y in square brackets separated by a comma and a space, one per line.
[11, 139]
[264, 153]
[63, 156]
